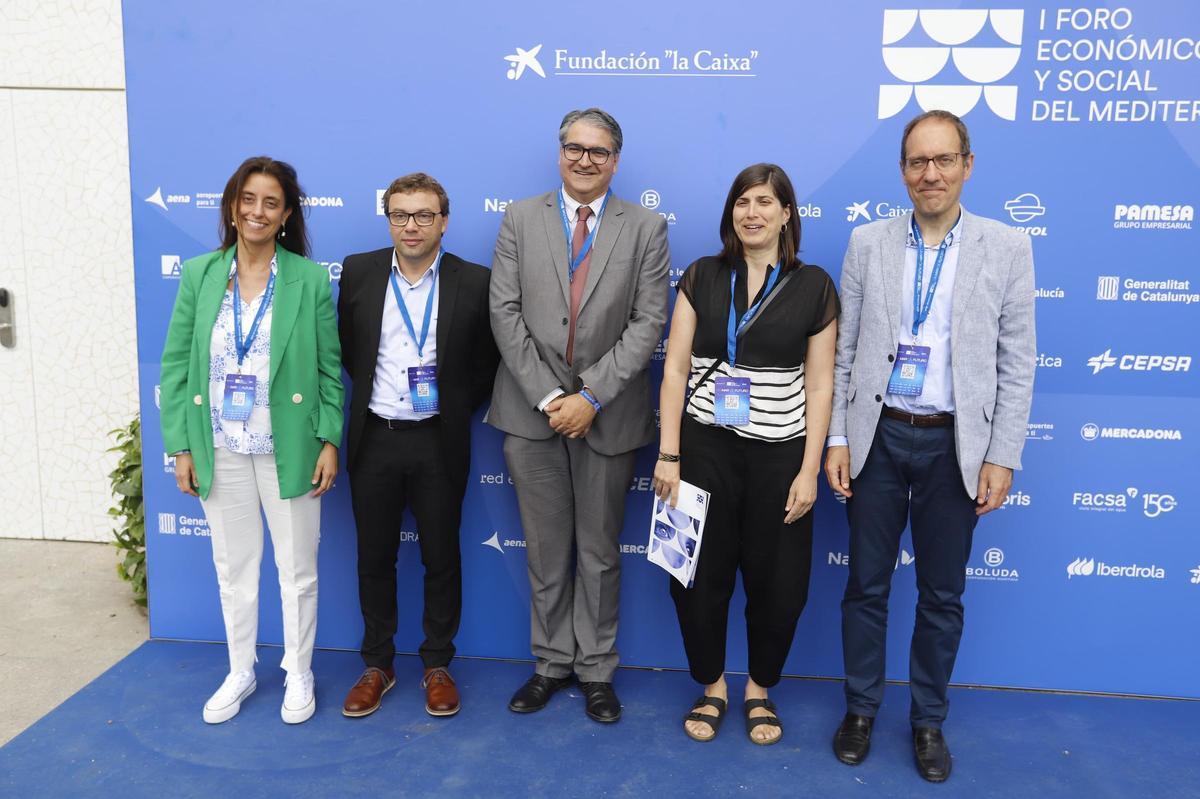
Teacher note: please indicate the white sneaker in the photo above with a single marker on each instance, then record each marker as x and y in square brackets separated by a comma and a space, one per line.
[227, 701]
[299, 700]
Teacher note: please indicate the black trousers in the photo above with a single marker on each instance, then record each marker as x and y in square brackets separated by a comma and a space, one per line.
[395, 469]
[909, 471]
[749, 483]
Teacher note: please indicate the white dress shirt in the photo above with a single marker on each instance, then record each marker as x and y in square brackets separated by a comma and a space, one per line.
[572, 206]
[253, 436]
[390, 394]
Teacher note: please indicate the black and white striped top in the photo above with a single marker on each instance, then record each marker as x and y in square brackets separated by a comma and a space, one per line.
[771, 352]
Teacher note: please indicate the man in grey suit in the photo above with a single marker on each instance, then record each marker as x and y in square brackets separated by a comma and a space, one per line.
[578, 303]
[932, 387]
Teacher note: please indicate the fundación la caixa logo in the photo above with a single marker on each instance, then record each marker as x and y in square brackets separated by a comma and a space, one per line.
[979, 67]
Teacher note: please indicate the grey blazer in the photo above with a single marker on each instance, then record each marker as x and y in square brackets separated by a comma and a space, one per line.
[993, 351]
[621, 318]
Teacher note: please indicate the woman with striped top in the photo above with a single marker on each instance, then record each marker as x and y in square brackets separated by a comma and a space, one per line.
[748, 380]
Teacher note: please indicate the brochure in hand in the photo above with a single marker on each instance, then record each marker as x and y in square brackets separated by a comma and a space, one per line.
[676, 533]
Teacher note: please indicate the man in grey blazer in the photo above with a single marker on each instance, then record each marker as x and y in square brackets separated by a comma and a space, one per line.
[578, 304]
[932, 387]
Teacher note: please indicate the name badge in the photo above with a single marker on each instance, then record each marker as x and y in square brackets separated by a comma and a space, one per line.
[422, 388]
[731, 401]
[239, 397]
[908, 373]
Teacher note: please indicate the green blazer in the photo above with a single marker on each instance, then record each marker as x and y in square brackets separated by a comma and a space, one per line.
[306, 391]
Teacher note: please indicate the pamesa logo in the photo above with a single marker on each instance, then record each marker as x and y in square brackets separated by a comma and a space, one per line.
[981, 66]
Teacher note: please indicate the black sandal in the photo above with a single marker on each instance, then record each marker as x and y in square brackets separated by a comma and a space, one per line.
[707, 718]
[751, 723]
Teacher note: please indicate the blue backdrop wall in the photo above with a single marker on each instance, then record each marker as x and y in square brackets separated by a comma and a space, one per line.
[1084, 122]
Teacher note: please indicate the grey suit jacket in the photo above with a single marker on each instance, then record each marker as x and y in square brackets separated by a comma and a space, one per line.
[993, 351]
[621, 318]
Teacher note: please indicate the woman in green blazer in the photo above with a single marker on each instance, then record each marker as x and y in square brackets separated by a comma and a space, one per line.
[252, 410]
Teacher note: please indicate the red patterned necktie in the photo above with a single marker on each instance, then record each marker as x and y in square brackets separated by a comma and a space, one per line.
[579, 280]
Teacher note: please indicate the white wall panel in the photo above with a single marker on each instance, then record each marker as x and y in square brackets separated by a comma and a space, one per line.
[61, 44]
[73, 174]
[20, 487]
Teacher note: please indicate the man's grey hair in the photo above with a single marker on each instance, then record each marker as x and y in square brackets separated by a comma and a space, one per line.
[595, 117]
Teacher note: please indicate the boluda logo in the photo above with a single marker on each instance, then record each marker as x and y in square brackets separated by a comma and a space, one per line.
[1140, 363]
[651, 200]
[951, 28]
[1086, 567]
[994, 568]
[523, 60]
[1153, 217]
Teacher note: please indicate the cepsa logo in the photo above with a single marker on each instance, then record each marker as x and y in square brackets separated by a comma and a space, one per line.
[1139, 363]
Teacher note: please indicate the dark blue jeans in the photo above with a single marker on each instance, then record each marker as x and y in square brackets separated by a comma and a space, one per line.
[910, 473]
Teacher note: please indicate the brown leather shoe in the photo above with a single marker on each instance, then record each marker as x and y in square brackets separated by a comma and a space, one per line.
[441, 697]
[365, 696]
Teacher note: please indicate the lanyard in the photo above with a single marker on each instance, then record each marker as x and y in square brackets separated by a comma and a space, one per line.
[921, 311]
[243, 345]
[420, 342]
[735, 327]
[573, 264]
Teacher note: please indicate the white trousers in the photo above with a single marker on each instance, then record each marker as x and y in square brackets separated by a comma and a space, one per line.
[243, 487]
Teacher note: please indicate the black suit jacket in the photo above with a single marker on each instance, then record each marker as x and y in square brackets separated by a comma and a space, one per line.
[466, 351]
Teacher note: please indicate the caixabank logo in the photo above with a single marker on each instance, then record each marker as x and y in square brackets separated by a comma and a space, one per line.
[922, 68]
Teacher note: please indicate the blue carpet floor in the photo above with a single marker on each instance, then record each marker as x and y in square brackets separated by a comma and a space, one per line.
[136, 731]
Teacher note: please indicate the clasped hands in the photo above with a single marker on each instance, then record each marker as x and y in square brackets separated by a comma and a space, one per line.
[571, 415]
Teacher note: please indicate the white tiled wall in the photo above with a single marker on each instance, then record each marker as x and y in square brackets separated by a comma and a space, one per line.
[65, 224]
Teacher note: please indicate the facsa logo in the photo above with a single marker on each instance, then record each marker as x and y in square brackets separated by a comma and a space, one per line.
[523, 60]
[1103, 501]
[166, 524]
[1140, 363]
[979, 65]
[1086, 567]
[1107, 287]
[172, 266]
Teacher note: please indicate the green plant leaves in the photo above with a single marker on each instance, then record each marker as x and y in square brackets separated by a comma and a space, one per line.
[126, 480]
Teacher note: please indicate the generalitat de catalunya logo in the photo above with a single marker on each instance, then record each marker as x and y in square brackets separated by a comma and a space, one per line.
[979, 68]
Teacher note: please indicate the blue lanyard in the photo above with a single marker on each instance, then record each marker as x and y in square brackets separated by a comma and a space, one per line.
[921, 311]
[243, 345]
[420, 342]
[587, 243]
[735, 327]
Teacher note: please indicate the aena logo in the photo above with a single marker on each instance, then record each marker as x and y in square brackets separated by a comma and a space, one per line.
[980, 66]
[523, 60]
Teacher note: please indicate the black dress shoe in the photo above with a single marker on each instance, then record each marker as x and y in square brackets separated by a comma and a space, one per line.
[602, 702]
[852, 741]
[932, 754]
[535, 693]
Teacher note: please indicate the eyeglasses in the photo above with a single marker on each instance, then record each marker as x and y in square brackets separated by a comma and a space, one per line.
[422, 218]
[943, 162]
[597, 155]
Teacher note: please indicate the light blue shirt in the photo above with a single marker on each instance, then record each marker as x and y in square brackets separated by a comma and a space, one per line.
[937, 393]
[390, 394]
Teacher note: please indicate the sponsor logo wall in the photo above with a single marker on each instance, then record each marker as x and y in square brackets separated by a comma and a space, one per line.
[1084, 122]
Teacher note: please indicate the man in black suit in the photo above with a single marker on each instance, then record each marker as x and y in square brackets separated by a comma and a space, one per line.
[417, 344]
